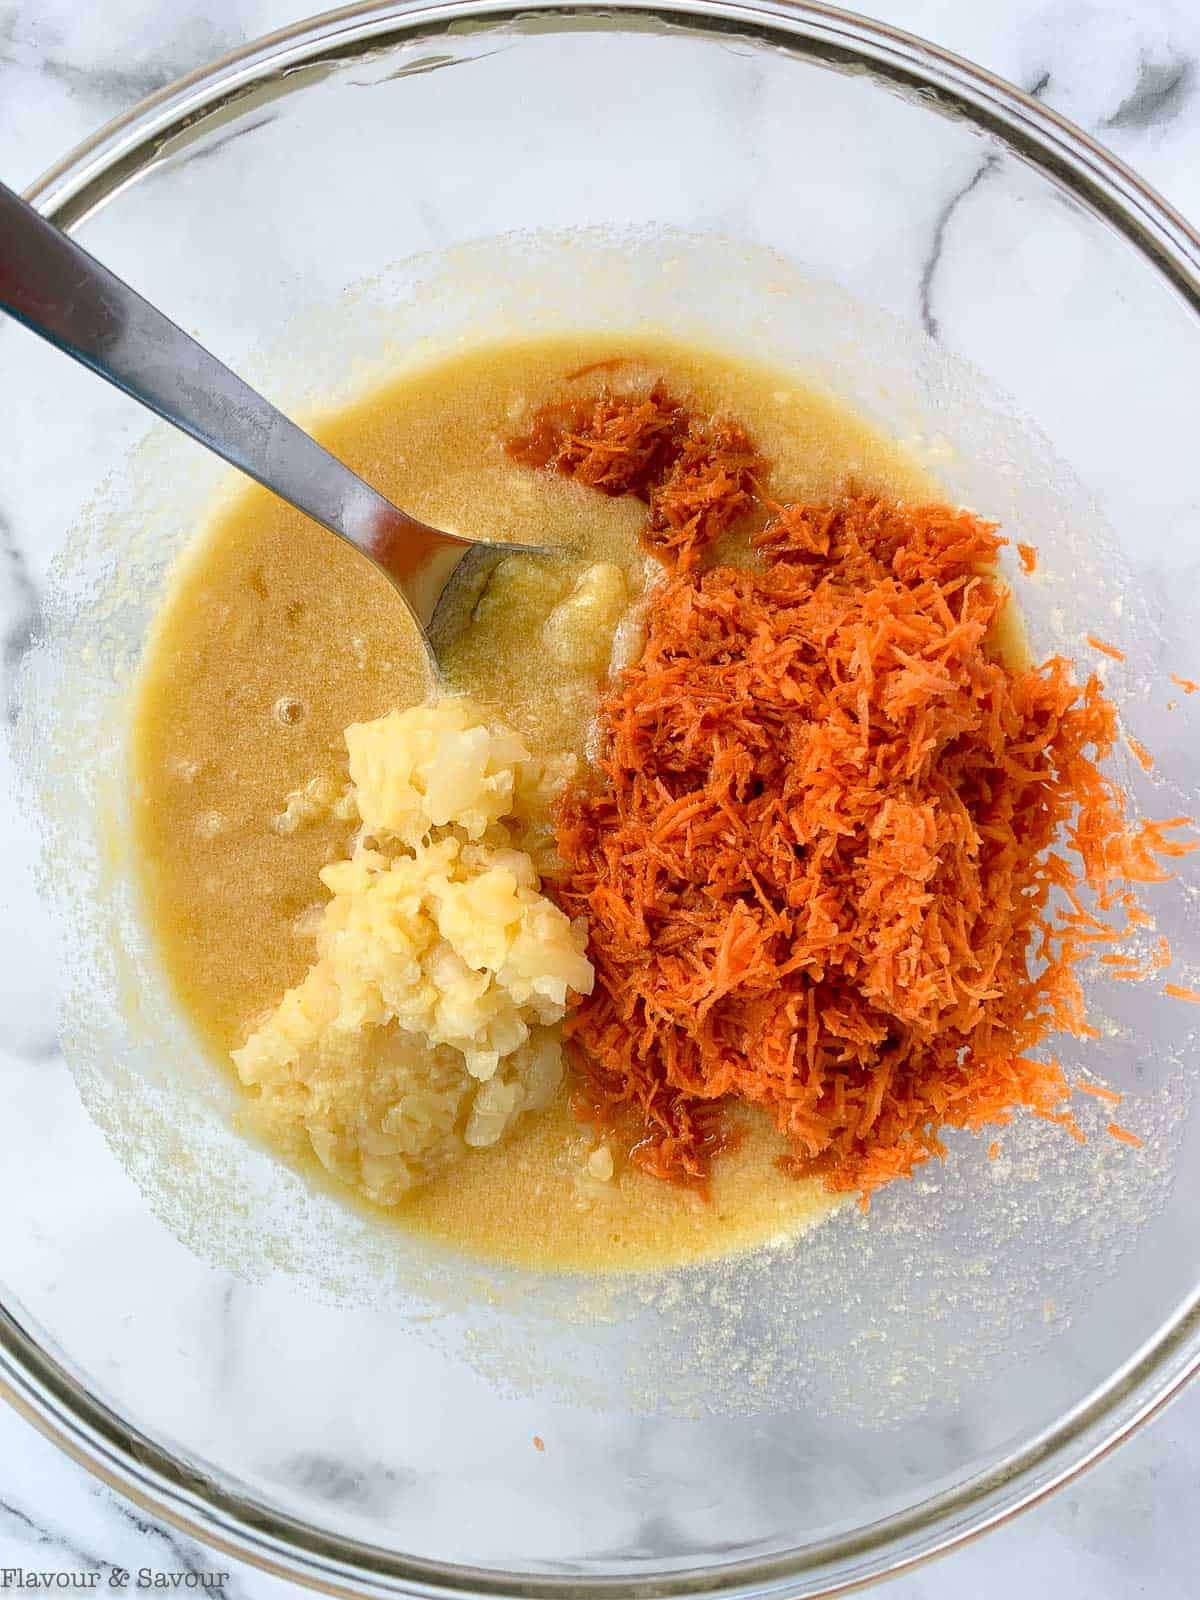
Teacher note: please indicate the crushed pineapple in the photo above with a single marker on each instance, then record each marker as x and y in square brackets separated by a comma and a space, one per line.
[427, 1024]
[431, 766]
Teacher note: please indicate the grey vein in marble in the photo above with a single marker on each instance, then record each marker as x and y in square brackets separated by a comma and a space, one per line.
[37, 1050]
[118, 83]
[23, 614]
[188, 1555]
[946, 215]
[63, 1546]
[1160, 94]
[656, 1534]
[1162, 90]
[227, 1360]
[370, 1488]
[11, 1513]
[181, 154]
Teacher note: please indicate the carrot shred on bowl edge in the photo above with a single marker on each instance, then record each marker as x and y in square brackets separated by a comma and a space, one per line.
[1140, 754]
[1111, 1096]
[1105, 648]
[1123, 1135]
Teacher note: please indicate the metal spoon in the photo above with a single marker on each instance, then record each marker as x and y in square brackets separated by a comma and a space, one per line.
[53, 286]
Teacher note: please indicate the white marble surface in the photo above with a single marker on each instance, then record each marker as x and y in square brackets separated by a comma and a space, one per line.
[1130, 74]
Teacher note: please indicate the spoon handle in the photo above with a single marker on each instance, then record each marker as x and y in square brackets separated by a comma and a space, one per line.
[53, 286]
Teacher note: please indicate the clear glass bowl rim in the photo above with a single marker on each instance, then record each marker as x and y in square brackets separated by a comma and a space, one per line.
[127, 1460]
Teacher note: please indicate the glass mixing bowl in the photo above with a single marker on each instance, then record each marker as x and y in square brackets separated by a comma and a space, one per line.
[242, 1354]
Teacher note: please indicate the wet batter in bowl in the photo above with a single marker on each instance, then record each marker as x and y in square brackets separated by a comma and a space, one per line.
[741, 851]
[275, 639]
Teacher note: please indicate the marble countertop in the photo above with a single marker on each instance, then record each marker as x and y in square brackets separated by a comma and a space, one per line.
[1128, 73]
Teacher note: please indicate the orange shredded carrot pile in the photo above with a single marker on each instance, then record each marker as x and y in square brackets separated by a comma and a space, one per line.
[1028, 555]
[1105, 648]
[836, 861]
[697, 478]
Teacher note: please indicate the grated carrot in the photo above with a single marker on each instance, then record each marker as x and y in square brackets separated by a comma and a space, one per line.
[697, 478]
[539, 1443]
[1188, 685]
[1100, 1093]
[1124, 1135]
[818, 873]
[993, 1149]
[1179, 991]
[1144, 759]
[1105, 648]
[1028, 555]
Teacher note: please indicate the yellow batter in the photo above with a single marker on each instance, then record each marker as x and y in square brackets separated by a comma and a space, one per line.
[276, 637]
